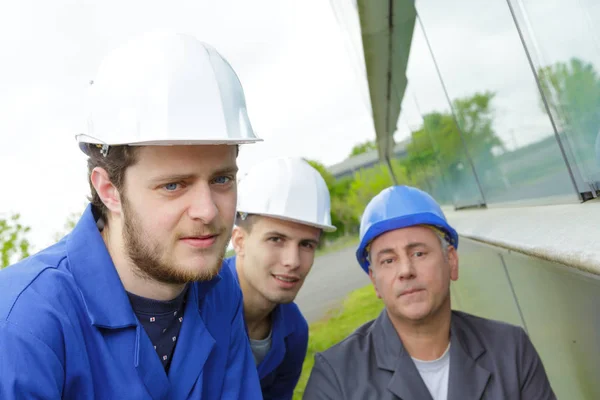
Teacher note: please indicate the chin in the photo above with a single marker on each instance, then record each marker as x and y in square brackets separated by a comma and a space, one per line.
[201, 267]
[414, 313]
[279, 299]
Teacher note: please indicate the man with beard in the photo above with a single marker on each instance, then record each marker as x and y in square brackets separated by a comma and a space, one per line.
[132, 304]
[283, 208]
[418, 347]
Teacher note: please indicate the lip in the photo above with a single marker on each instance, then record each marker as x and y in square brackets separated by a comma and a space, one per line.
[410, 291]
[286, 284]
[200, 242]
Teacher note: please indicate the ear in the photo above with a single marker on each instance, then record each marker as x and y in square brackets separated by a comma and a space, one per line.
[238, 236]
[107, 192]
[372, 277]
[453, 262]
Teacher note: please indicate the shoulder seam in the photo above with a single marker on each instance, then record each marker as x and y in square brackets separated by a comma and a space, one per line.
[46, 267]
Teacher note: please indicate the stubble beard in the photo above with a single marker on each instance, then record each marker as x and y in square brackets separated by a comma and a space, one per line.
[148, 256]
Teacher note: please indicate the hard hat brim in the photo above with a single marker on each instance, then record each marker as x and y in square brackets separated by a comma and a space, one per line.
[324, 227]
[83, 140]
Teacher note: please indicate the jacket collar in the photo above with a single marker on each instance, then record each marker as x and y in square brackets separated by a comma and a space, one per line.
[466, 378]
[106, 301]
[406, 382]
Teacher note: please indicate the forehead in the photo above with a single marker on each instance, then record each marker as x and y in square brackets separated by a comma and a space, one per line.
[264, 224]
[197, 159]
[405, 236]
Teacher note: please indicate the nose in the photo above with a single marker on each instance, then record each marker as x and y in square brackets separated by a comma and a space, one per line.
[202, 206]
[291, 256]
[405, 269]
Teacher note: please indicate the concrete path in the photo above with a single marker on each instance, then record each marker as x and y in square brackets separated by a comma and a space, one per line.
[332, 278]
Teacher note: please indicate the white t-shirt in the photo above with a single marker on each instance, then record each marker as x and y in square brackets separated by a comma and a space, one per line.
[435, 374]
[260, 348]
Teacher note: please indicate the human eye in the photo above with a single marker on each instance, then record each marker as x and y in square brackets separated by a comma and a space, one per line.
[171, 187]
[222, 180]
[386, 261]
[308, 245]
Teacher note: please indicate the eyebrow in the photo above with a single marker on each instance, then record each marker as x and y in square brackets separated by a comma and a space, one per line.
[184, 177]
[226, 170]
[390, 250]
[276, 233]
[385, 251]
[411, 246]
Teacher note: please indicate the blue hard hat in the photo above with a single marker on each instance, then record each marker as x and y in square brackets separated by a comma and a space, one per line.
[400, 207]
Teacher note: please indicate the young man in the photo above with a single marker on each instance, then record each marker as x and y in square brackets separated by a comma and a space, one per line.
[283, 207]
[133, 304]
[418, 348]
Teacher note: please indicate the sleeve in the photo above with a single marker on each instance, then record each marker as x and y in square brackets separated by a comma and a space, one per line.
[288, 373]
[29, 368]
[534, 381]
[322, 383]
[241, 377]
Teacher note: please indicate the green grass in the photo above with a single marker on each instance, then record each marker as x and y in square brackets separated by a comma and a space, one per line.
[360, 306]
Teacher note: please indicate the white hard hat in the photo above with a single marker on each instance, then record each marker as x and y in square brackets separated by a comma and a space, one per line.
[166, 89]
[288, 188]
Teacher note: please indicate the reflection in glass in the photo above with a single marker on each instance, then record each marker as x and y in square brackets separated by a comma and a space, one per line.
[567, 62]
[496, 101]
[422, 156]
[436, 143]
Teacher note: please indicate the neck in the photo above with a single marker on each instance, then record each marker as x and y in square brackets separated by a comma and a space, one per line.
[133, 280]
[257, 309]
[425, 340]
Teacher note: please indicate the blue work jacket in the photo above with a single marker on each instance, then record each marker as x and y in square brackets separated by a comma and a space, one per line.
[68, 331]
[281, 368]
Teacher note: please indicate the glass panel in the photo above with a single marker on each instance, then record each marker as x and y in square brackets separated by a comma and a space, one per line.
[495, 97]
[420, 161]
[567, 61]
[437, 126]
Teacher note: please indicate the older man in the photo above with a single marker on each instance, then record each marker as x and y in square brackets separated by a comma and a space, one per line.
[419, 348]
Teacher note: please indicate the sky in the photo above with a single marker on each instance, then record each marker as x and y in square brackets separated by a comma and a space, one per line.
[300, 64]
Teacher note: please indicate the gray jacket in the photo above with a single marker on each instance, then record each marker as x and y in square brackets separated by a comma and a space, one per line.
[488, 360]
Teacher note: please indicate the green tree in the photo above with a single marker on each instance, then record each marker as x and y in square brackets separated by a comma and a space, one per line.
[363, 148]
[327, 176]
[475, 117]
[13, 240]
[369, 182]
[573, 91]
[437, 148]
[341, 215]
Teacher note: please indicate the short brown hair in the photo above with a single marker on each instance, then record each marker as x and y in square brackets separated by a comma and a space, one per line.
[116, 162]
[246, 223]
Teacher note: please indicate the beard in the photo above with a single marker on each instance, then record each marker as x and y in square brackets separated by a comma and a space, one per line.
[151, 258]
